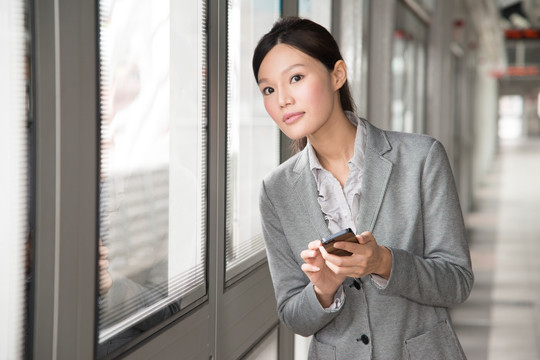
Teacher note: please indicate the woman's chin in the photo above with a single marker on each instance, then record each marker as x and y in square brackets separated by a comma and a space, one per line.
[294, 135]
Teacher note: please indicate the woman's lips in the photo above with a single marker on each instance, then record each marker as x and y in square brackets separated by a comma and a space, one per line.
[289, 118]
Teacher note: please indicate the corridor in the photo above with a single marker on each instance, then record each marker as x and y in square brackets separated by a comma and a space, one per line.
[501, 318]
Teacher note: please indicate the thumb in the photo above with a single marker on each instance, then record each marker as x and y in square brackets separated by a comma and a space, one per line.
[365, 237]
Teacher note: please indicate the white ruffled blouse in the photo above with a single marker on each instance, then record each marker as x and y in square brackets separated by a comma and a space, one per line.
[340, 205]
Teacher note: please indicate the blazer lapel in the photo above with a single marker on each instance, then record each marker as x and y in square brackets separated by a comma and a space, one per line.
[377, 170]
[306, 194]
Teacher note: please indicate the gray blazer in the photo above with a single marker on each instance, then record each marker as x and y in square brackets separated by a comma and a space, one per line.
[409, 202]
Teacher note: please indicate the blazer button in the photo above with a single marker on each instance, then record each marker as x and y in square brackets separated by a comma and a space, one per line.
[364, 338]
[356, 284]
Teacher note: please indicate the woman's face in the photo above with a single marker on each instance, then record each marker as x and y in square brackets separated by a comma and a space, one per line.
[299, 92]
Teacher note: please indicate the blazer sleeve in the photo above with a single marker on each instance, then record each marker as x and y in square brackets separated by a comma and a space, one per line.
[443, 275]
[297, 304]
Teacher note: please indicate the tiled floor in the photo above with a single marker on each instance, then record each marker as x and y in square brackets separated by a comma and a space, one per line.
[501, 318]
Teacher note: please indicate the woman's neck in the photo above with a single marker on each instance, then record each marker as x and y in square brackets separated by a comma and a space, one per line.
[334, 146]
[334, 142]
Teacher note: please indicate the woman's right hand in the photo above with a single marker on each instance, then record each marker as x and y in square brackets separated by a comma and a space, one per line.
[325, 281]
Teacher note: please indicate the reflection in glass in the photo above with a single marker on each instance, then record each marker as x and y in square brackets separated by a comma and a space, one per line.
[252, 136]
[13, 183]
[153, 171]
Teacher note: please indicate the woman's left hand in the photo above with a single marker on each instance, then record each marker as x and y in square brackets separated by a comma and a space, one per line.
[105, 278]
[367, 257]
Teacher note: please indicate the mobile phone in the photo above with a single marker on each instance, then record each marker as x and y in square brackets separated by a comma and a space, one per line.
[343, 235]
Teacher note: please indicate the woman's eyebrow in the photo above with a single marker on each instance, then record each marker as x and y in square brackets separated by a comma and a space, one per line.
[287, 69]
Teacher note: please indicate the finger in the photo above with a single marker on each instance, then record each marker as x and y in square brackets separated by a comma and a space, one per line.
[341, 264]
[308, 254]
[314, 245]
[308, 268]
[103, 251]
[323, 251]
[353, 248]
[334, 259]
[103, 264]
[327, 256]
[335, 269]
[365, 237]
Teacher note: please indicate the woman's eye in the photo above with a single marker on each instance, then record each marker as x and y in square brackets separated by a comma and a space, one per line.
[296, 78]
[267, 90]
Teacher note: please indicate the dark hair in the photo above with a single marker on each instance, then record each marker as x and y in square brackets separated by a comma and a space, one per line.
[313, 40]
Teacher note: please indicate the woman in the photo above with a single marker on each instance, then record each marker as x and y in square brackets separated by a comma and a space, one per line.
[390, 298]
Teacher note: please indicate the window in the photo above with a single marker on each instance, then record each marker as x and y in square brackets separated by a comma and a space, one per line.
[14, 67]
[511, 116]
[319, 11]
[408, 71]
[354, 51]
[267, 349]
[153, 163]
[252, 136]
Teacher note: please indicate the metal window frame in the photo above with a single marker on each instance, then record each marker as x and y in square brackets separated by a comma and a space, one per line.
[439, 72]
[67, 132]
[66, 179]
[380, 61]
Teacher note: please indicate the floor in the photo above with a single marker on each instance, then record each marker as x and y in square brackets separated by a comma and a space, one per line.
[501, 318]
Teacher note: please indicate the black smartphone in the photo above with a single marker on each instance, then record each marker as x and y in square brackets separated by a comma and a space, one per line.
[343, 235]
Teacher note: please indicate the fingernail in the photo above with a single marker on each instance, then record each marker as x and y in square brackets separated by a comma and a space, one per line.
[315, 268]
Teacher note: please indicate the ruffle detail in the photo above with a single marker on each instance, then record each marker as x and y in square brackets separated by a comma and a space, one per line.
[334, 201]
[339, 205]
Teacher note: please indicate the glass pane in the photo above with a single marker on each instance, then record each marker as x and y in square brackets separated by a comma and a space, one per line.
[511, 116]
[14, 72]
[408, 71]
[252, 136]
[353, 32]
[301, 346]
[153, 163]
[319, 11]
[398, 80]
[266, 349]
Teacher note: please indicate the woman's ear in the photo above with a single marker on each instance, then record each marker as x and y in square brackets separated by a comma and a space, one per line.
[339, 74]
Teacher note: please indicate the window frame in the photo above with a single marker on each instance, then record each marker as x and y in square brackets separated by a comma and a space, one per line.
[66, 246]
[67, 214]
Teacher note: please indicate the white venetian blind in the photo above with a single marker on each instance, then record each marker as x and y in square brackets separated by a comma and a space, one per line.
[153, 162]
[13, 182]
[252, 136]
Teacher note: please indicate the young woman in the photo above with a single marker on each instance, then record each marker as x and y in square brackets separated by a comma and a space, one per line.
[390, 298]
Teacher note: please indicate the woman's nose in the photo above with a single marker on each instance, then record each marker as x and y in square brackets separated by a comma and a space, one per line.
[285, 99]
